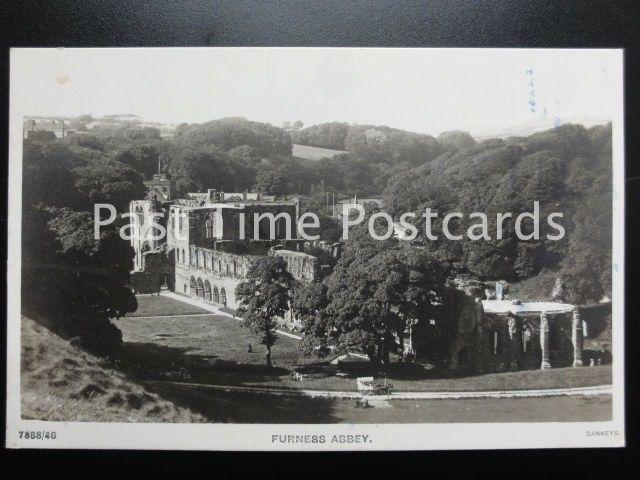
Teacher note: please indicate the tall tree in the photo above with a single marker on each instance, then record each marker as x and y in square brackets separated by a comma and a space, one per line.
[264, 297]
[270, 182]
[308, 303]
[73, 282]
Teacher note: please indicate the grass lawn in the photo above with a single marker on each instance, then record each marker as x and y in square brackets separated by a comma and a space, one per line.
[209, 338]
[155, 305]
[212, 349]
[220, 407]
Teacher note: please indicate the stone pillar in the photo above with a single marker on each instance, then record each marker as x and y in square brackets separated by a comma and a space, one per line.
[513, 343]
[544, 341]
[577, 339]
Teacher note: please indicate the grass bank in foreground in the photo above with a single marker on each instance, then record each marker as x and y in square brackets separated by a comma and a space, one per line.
[60, 382]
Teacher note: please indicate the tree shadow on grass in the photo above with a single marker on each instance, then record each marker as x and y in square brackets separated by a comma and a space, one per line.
[243, 407]
[150, 361]
[170, 372]
[396, 370]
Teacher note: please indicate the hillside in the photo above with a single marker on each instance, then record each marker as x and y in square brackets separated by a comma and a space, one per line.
[567, 170]
[61, 382]
[379, 144]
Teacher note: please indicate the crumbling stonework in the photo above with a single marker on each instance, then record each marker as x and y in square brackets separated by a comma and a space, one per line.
[302, 267]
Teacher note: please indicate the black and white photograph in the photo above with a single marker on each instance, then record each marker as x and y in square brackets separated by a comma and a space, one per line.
[315, 248]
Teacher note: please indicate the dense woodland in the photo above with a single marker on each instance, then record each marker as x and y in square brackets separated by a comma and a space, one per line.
[79, 283]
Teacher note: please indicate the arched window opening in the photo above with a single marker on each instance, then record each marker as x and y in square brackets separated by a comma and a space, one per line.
[207, 290]
[209, 224]
[216, 296]
[526, 339]
[223, 296]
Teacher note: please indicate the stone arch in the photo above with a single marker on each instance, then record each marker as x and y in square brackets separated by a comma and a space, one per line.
[216, 295]
[526, 338]
[463, 357]
[209, 228]
[223, 296]
[207, 290]
[496, 342]
[200, 288]
[192, 286]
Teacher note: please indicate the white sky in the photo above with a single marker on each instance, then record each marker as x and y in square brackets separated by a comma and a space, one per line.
[422, 90]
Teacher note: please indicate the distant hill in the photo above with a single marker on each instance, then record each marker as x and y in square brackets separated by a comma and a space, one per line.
[314, 153]
[376, 144]
[232, 132]
[456, 140]
[536, 126]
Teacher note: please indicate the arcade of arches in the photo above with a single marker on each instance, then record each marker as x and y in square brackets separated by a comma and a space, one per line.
[207, 292]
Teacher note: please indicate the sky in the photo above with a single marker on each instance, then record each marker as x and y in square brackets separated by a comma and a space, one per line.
[420, 90]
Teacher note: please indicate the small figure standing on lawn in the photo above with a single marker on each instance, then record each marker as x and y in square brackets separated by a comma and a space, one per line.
[249, 349]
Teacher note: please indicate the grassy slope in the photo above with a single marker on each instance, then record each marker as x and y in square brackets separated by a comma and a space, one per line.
[314, 153]
[61, 382]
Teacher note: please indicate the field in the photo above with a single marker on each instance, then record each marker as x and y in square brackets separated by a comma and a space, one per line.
[200, 347]
[60, 382]
[314, 153]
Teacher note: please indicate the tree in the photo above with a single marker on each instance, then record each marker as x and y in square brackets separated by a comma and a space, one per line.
[144, 158]
[417, 286]
[270, 182]
[73, 282]
[375, 290]
[264, 297]
[228, 133]
[70, 281]
[308, 303]
[586, 270]
[109, 181]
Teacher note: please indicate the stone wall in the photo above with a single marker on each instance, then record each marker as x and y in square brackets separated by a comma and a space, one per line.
[142, 229]
[227, 270]
[302, 267]
[218, 271]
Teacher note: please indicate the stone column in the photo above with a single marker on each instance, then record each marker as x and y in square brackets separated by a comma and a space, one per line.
[577, 339]
[544, 341]
[513, 343]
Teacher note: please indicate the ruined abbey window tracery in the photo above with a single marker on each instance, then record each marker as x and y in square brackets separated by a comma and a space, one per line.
[223, 296]
[216, 296]
[207, 290]
[210, 226]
